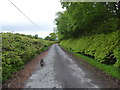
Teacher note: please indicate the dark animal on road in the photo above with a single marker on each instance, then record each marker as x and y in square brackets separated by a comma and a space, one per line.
[41, 62]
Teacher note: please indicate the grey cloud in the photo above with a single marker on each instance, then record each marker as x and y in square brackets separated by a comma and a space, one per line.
[28, 27]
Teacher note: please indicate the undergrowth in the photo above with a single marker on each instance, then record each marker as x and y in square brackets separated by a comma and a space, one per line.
[17, 50]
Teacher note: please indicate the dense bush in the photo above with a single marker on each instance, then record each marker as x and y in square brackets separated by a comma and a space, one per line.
[91, 29]
[102, 47]
[81, 19]
[18, 49]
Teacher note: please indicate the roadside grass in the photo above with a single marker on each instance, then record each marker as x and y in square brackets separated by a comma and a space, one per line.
[109, 69]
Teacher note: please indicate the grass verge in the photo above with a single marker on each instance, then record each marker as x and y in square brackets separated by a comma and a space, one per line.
[110, 70]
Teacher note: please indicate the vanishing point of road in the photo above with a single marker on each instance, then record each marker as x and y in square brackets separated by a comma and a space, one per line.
[62, 70]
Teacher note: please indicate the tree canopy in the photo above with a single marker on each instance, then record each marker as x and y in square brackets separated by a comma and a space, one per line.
[86, 19]
[51, 37]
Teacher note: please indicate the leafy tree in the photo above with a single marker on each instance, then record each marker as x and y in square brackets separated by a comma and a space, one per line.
[85, 19]
[47, 38]
[93, 23]
[51, 37]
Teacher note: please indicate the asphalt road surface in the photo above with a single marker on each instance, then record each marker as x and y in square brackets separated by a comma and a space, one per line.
[62, 70]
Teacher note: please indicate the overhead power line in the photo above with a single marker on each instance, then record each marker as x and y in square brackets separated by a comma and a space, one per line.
[24, 14]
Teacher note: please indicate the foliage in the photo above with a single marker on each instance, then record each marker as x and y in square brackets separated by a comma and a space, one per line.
[51, 37]
[82, 19]
[18, 49]
[102, 47]
[91, 29]
[47, 38]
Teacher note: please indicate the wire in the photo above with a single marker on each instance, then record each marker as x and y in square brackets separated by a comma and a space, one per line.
[24, 14]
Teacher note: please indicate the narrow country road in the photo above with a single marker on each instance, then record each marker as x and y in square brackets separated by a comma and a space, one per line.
[62, 70]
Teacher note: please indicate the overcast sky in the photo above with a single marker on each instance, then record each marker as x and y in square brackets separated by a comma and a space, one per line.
[41, 12]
